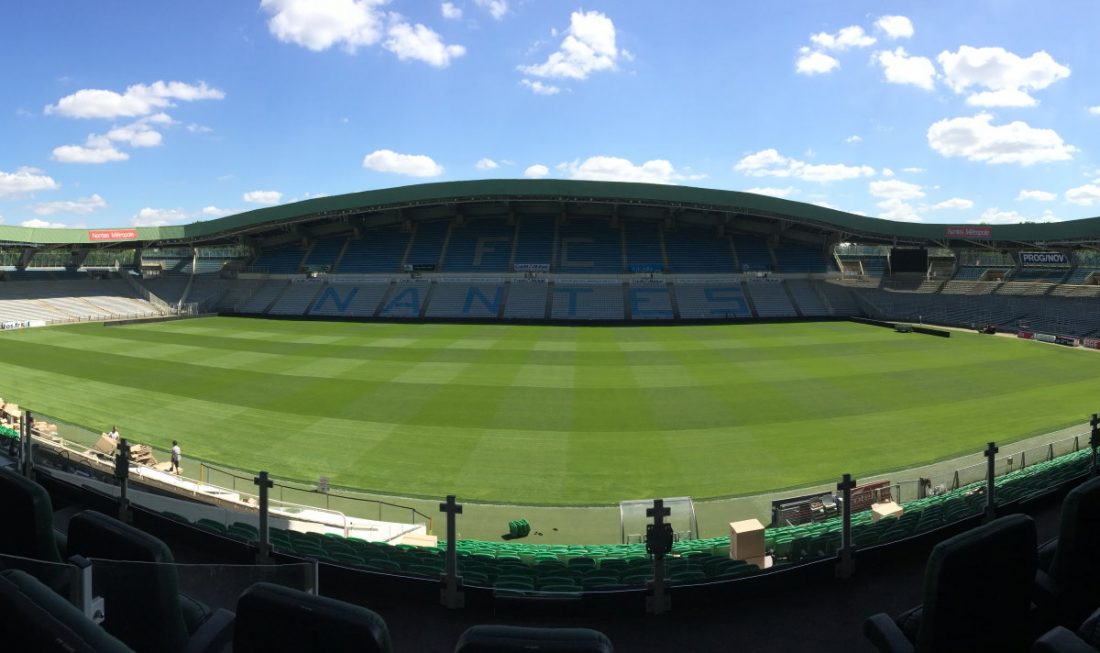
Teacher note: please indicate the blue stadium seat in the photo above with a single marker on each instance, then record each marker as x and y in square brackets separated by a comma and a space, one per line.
[481, 245]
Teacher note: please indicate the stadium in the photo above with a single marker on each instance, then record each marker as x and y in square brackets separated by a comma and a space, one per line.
[793, 382]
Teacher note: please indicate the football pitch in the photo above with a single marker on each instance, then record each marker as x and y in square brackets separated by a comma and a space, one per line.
[549, 414]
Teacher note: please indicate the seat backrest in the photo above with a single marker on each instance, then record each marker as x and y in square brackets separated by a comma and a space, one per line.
[272, 618]
[141, 595]
[29, 519]
[37, 619]
[1076, 564]
[505, 639]
[978, 587]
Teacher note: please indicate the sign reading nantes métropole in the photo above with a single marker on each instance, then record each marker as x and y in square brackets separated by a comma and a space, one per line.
[969, 231]
[1044, 258]
[112, 234]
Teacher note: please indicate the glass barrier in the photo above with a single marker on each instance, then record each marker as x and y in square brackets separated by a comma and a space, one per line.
[58, 576]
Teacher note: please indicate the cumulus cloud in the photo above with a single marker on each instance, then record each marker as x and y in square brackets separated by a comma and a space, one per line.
[913, 170]
[262, 197]
[997, 216]
[538, 88]
[812, 62]
[150, 217]
[773, 192]
[978, 139]
[901, 68]
[496, 8]
[320, 24]
[1006, 78]
[486, 164]
[449, 11]
[97, 149]
[1086, 195]
[588, 47]
[81, 206]
[610, 168]
[1095, 110]
[537, 171]
[412, 165]
[214, 212]
[955, 203]
[1038, 195]
[25, 181]
[895, 189]
[136, 100]
[770, 163]
[351, 24]
[895, 27]
[854, 138]
[41, 224]
[897, 209]
[420, 43]
[852, 36]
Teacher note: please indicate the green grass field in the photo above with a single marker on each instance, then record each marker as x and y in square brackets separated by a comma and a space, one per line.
[548, 414]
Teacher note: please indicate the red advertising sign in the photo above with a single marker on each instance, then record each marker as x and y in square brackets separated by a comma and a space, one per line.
[112, 234]
[1026, 335]
[970, 232]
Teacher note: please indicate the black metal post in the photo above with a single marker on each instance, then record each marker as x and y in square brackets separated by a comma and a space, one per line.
[845, 565]
[990, 469]
[1094, 442]
[452, 595]
[658, 542]
[26, 427]
[122, 473]
[263, 554]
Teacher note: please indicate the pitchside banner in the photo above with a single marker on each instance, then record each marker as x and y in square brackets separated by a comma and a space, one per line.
[970, 232]
[1091, 343]
[1043, 258]
[531, 267]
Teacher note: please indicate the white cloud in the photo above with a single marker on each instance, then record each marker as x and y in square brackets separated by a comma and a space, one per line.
[977, 139]
[196, 128]
[486, 164]
[137, 100]
[138, 134]
[412, 165]
[588, 47]
[1006, 76]
[1085, 195]
[913, 171]
[769, 163]
[812, 62]
[537, 171]
[538, 88]
[854, 138]
[900, 68]
[81, 206]
[997, 216]
[895, 189]
[496, 8]
[895, 27]
[1095, 110]
[215, 212]
[852, 36]
[450, 12]
[610, 168]
[98, 150]
[420, 43]
[1038, 195]
[25, 181]
[150, 217]
[897, 209]
[41, 224]
[773, 192]
[887, 172]
[320, 24]
[262, 197]
[955, 203]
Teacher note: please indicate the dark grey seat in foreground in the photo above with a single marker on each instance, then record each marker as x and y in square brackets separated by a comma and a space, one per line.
[978, 589]
[505, 639]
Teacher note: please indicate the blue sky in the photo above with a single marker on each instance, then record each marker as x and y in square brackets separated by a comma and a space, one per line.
[120, 113]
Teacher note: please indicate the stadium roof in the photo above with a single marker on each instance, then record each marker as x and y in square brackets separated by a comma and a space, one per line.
[673, 199]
